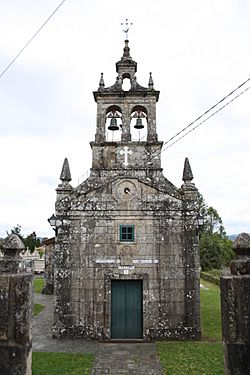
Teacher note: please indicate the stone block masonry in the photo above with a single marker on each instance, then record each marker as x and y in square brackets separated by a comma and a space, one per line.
[235, 310]
[126, 259]
[16, 296]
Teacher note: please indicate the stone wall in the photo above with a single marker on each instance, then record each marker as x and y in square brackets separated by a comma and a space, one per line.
[235, 310]
[16, 295]
[49, 266]
[126, 187]
[89, 254]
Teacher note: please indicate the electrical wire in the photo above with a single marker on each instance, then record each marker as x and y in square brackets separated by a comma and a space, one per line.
[203, 114]
[30, 40]
[202, 122]
[170, 139]
[112, 179]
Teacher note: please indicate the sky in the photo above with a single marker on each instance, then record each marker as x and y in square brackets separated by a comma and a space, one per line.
[197, 51]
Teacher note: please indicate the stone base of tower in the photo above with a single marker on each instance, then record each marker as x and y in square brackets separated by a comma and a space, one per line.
[98, 319]
[152, 334]
[176, 333]
[81, 331]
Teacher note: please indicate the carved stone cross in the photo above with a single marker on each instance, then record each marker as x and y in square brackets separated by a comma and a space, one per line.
[126, 152]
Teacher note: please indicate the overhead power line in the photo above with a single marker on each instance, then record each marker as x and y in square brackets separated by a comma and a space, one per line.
[204, 114]
[202, 122]
[112, 179]
[30, 40]
[191, 130]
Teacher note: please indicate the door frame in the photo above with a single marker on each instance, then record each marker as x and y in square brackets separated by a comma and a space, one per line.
[114, 274]
[140, 284]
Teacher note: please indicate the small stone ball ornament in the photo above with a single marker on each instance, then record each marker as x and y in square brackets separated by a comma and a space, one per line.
[240, 265]
[12, 248]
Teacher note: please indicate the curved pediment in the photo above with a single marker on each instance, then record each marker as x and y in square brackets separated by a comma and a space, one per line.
[124, 193]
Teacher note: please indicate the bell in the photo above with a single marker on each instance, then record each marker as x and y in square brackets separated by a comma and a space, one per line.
[138, 124]
[113, 124]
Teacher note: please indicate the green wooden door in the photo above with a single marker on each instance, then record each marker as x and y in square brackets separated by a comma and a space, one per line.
[126, 309]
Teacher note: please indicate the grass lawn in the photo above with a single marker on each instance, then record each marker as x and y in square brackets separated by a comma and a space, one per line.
[38, 284]
[177, 358]
[61, 363]
[58, 363]
[192, 358]
[210, 312]
[198, 358]
[37, 308]
[216, 273]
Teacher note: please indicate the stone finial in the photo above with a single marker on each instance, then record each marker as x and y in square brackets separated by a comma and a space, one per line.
[64, 188]
[12, 248]
[13, 242]
[242, 242]
[126, 50]
[241, 263]
[187, 172]
[65, 174]
[101, 83]
[150, 82]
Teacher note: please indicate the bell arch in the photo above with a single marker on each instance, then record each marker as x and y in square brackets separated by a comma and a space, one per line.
[139, 123]
[113, 123]
[126, 81]
[126, 84]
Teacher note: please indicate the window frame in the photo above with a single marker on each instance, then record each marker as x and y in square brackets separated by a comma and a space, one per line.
[126, 226]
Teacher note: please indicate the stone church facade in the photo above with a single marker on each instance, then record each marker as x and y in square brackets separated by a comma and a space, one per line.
[126, 251]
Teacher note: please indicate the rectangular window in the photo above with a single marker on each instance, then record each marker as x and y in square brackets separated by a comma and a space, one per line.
[127, 233]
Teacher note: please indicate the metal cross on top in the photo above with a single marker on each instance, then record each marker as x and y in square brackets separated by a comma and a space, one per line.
[126, 25]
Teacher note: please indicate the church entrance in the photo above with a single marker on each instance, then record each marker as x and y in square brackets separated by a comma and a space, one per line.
[126, 309]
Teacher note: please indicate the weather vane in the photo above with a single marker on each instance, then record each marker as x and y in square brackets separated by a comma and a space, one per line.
[126, 25]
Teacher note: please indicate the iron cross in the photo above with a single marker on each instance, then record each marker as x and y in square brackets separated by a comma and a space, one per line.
[126, 29]
[126, 152]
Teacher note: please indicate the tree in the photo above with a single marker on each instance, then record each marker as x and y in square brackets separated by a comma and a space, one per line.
[213, 222]
[31, 241]
[215, 251]
[215, 248]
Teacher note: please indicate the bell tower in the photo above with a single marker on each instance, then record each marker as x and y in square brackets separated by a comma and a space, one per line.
[122, 112]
